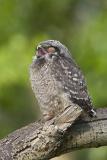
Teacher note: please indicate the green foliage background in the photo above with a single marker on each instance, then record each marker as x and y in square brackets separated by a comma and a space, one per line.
[80, 24]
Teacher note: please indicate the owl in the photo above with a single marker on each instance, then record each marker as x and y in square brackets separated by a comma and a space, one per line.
[57, 81]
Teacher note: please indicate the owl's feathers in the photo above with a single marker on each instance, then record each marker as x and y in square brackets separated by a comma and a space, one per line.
[57, 81]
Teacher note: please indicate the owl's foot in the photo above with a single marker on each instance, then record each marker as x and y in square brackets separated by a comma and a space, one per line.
[48, 116]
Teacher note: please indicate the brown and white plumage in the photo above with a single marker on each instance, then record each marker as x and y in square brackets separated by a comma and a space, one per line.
[57, 81]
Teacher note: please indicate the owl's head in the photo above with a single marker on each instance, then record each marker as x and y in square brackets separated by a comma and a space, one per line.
[51, 48]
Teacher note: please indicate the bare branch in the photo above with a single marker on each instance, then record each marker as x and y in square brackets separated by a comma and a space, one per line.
[46, 140]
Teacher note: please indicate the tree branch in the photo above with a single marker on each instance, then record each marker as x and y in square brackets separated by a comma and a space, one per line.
[42, 141]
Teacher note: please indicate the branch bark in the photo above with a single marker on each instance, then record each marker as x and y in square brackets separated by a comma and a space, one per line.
[43, 141]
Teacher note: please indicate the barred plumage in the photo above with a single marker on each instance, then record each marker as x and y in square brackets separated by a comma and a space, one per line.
[57, 81]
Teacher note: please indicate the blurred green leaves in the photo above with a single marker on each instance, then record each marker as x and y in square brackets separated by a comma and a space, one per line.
[91, 41]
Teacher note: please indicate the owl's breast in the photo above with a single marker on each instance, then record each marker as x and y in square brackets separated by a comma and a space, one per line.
[48, 89]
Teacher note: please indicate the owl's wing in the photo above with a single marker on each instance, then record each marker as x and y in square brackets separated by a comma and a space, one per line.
[74, 84]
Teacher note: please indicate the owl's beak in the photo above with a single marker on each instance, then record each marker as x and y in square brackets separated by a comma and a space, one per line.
[41, 51]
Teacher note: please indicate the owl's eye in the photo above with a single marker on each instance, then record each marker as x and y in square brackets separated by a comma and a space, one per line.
[51, 49]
